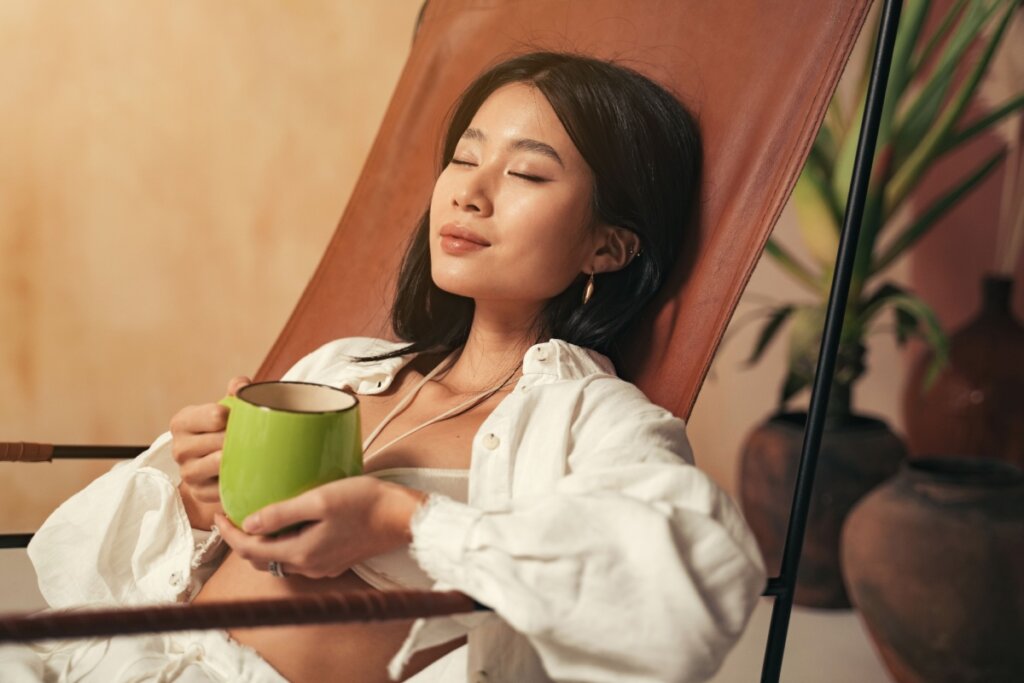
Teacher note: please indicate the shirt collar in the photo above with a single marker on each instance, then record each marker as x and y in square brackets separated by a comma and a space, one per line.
[563, 360]
[556, 358]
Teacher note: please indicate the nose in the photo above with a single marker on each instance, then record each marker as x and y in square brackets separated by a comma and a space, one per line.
[472, 194]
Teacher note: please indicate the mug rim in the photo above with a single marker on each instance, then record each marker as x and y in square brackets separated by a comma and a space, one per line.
[355, 399]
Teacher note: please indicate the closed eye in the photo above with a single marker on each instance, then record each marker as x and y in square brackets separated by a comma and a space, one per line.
[462, 162]
[530, 178]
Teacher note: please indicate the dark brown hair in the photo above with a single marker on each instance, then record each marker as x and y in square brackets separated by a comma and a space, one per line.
[644, 149]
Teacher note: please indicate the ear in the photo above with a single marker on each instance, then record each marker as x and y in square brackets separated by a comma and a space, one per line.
[614, 248]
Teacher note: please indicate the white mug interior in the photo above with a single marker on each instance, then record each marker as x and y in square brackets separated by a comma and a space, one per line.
[297, 397]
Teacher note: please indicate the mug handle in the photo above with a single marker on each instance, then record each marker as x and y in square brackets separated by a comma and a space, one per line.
[229, 402]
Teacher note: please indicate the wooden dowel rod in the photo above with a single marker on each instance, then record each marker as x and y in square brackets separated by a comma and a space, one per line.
[308, 609]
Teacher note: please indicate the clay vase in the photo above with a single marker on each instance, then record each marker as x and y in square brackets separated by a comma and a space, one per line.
[934, 561]
[857, 453]
[976, 405]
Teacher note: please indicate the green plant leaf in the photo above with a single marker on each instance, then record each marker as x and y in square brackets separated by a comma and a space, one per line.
[873, 303]
[909, 174]
[772, 326]
[992, 118]
[864, 76]
[925, 110]
[792, 385]
[939, 208]
[789, 264]
[833, 121]
[822, 156]
[804, 343]
[806, 326]
[911, 21]
[849, 363]
[842, 172]
[908, 36]
[870, 226]
[924, 54]
[816, 217]
[927, 325]
[906, 325]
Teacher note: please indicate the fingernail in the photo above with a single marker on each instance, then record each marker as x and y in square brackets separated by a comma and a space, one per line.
[252, 523]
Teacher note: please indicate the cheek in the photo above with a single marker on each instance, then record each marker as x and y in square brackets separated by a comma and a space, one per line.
[548, 252]
[552, 231]
[436, 201]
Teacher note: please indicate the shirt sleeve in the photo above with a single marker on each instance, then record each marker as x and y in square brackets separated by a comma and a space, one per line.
[125, 539]
[636, 567]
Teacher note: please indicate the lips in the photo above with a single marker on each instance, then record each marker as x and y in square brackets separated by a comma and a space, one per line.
[461, 234]
[459, 241]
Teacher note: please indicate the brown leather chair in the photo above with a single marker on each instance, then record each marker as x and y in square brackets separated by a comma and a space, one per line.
[759, 76]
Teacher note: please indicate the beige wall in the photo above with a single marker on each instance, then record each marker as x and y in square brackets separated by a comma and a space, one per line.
[169, 175]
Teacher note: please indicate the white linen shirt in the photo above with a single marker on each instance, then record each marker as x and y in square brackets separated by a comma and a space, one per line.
[605, 554]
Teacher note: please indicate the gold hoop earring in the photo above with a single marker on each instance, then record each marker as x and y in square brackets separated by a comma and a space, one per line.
[588, 290]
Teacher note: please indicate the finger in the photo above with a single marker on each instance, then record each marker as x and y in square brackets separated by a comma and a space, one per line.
[209, 417]
[259, 550]
[236, 383]
[308, 507]
[231, 534]
[199, 471]
[285, 569]
[196, 446]
[207, 493]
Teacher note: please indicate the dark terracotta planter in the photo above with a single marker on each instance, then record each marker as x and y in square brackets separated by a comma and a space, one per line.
[934, 561]
[976, 405]
[857, 453]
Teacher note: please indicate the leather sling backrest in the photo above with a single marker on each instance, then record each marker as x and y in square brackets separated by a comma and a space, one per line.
[758, 74]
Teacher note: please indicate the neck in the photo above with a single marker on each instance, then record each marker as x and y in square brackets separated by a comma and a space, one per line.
[494, 349]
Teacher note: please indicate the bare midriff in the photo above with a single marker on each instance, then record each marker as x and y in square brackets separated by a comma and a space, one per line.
[320, 652]
[360, 651]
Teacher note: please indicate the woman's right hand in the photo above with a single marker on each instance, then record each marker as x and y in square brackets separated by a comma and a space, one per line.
[197, 437]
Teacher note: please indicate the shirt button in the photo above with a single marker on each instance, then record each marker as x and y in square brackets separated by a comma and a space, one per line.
[542, 354]
[491, 442]
[175, 579]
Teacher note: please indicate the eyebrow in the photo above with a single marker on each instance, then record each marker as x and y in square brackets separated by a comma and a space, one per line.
[524, 144]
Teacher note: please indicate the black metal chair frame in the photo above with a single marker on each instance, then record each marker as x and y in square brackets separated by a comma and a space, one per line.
[783, 586]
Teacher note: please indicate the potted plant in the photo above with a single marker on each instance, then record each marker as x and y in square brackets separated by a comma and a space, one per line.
[976, 404]
[933, 78]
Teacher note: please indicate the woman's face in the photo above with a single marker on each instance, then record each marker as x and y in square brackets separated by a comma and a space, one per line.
[510, 217]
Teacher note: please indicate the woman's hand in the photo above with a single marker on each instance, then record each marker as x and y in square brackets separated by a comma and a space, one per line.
[197, 437]
[341, 524]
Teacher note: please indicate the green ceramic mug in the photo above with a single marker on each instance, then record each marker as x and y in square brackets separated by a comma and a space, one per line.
[285, 438]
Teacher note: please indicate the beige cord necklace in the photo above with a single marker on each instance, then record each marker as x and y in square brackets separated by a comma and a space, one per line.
[466, 405]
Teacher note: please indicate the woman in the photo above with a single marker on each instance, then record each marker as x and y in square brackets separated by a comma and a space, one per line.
[537, 481]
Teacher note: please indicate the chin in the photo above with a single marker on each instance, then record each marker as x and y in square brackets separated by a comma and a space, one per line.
[460, 285]
[474, 281]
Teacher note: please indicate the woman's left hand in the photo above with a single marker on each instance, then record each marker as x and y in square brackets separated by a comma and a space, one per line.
[342, 523]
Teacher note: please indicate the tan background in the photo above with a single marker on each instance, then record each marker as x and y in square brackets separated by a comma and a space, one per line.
[169, 175]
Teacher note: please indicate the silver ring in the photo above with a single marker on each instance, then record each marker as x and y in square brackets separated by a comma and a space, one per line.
[275, 569]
